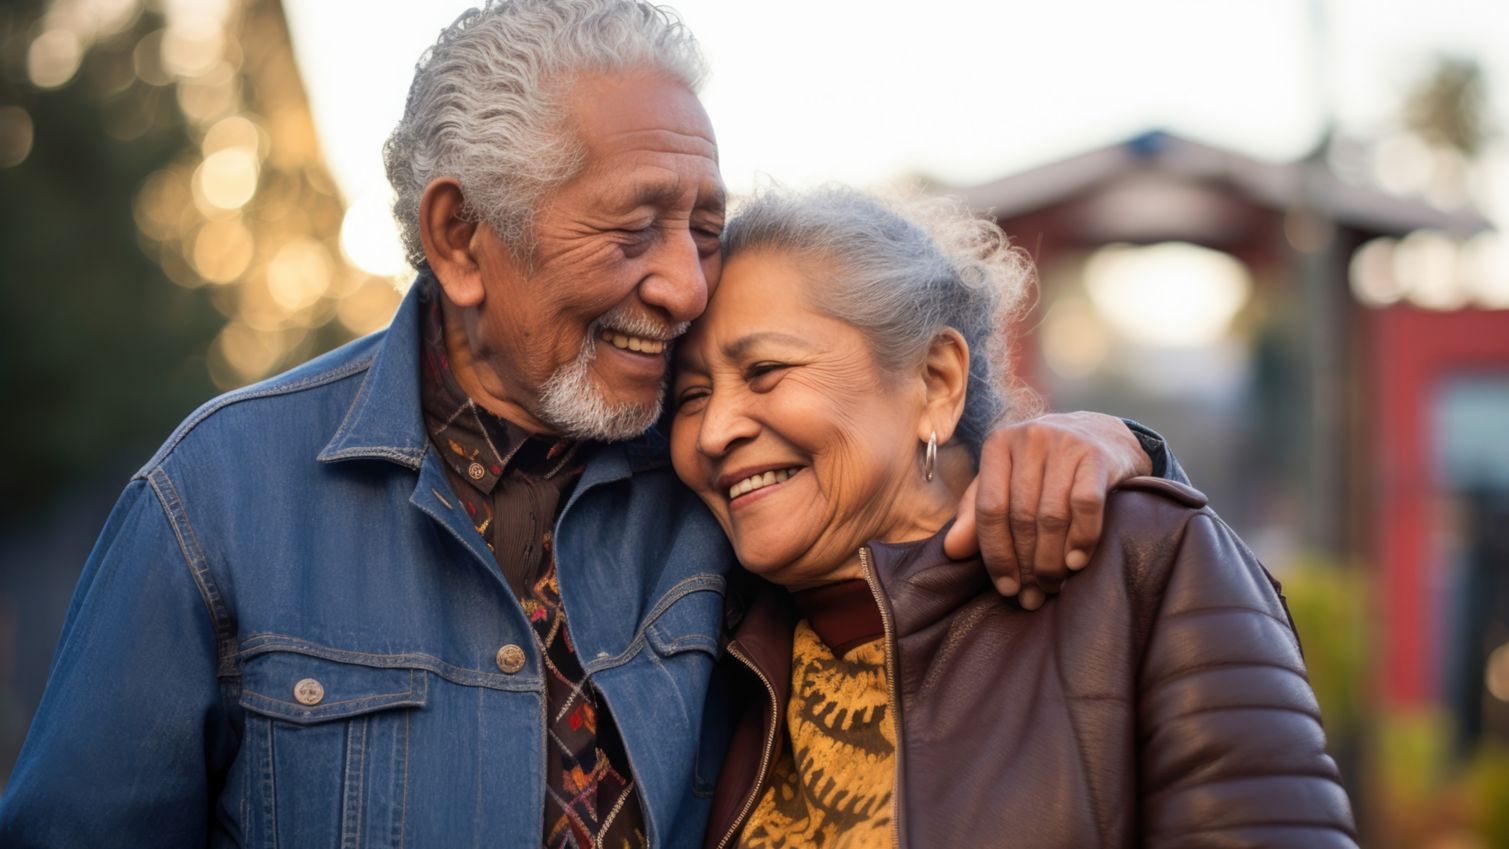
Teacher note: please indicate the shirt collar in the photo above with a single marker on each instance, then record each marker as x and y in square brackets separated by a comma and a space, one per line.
[477, 445]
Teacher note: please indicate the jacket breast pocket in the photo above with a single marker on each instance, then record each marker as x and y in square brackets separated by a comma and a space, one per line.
[326, 750]
[683, 638]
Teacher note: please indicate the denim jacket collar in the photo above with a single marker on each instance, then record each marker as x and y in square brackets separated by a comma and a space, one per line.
[385, 422]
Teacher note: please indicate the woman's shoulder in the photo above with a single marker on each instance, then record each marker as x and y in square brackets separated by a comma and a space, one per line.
[1156, 491]
[1149, 517]
[1174, 555]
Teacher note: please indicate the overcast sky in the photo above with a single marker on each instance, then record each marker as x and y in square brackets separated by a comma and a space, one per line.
[869, 91]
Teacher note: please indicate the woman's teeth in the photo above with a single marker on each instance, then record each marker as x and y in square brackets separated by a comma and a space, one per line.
[760, 481]
[633, 343]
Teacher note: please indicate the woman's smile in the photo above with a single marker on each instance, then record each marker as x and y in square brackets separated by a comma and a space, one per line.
[751, 486]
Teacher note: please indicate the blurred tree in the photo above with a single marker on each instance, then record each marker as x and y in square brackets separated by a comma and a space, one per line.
[102, 353]
[1449, 106]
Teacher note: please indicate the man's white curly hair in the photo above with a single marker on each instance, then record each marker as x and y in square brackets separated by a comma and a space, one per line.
[487, 102]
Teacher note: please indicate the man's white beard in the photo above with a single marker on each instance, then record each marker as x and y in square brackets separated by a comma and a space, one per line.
[572, 403]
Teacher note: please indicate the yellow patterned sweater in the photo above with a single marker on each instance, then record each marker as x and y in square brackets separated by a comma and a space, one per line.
[832, 786]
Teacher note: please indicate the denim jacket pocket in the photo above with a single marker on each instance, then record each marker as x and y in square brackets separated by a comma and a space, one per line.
[326, 748]
[689, 618]
[683, 636]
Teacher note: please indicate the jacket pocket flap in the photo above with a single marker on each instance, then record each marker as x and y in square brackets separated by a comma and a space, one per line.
[304, 689]
[689, 622]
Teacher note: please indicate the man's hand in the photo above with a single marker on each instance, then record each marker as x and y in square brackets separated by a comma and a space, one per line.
[1034, 512]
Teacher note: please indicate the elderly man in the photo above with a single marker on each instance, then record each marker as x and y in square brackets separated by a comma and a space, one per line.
[440, 588]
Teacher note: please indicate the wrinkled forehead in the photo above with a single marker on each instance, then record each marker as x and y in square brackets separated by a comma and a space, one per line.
[641, 108]
[762, 294]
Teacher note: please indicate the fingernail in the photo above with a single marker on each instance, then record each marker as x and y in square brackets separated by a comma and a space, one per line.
[1077, 560]
[1031, 598]
[1007, 586]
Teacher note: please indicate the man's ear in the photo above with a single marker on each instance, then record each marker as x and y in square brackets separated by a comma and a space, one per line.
[945, 374]
[450, 238]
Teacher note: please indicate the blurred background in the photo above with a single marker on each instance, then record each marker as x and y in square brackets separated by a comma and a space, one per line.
[1271, 229]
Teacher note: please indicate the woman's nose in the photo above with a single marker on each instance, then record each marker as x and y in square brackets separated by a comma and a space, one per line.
[725, 423]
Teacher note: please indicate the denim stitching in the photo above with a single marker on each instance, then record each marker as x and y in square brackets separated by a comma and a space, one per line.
[249, 394]
[193, 555]
[266, 643]
[351, 804]
[409, 458]
[403, 799]
[682, 589]
[269, 789]
[347, 707]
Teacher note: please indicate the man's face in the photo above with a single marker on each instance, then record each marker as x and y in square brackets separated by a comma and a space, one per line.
[624, 256]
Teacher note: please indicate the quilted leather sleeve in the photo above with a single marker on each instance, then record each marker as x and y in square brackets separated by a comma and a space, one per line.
[1231, 749]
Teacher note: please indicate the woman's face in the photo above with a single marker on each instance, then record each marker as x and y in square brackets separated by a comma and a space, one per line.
[787, 428]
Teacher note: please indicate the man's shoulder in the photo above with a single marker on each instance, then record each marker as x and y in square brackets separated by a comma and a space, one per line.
[300, 400]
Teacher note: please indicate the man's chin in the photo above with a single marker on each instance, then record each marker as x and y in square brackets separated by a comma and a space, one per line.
[601, 416]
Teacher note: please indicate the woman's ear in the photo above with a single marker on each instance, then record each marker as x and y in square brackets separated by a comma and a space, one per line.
[450, 239]
[945, 374]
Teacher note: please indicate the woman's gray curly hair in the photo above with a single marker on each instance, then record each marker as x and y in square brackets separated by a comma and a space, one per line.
[901, 270]
[487, 102]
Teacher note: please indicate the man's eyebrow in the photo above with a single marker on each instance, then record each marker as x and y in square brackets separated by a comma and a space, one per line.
[740, 347]
[669, 193]
[655, 194]
[716, 202]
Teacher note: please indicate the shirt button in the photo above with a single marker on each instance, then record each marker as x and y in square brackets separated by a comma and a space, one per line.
[309, 692]
[510, 658]
[476, 471]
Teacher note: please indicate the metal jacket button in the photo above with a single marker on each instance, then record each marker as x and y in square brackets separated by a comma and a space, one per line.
[309, 692]
[510, 658]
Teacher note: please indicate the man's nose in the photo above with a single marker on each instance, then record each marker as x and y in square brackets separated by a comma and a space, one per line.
[676, 281]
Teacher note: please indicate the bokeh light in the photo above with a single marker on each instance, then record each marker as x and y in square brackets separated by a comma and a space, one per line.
[1076, 341]
[192, 46]
[146, 60]
[237, 131]
[222, 250]
[370, 307]
[16, 136]
[54, 58]
[369, 237]
[1496, 675]
[1425, 263]
[1173, 294]
[1371, 273]
[227, 179]
[299, 275]
[1485, 270]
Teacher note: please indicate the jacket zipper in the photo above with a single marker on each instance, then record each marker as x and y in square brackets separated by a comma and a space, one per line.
[754, 792]
[892, 687]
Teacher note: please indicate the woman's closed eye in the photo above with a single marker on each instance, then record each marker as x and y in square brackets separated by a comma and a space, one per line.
[691, 399]
[764, 374]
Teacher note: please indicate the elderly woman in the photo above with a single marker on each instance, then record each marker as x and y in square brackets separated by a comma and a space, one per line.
[829, 408]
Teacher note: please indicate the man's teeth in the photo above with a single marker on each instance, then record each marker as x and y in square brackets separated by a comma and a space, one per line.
[760, 481]
[634, 343]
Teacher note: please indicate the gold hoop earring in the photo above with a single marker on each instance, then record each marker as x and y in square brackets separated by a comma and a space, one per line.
[930, 459]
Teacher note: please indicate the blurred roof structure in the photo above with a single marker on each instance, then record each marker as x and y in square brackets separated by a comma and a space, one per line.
[1158, 183]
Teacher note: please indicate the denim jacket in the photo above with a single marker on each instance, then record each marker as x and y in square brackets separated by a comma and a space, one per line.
[290, 635]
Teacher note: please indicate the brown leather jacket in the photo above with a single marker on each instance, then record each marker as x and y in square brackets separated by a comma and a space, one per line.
[1159, 700]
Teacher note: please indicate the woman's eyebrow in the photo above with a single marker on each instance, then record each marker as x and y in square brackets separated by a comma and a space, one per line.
[739, 347]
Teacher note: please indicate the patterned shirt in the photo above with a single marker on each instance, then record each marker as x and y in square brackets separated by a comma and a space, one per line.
[512, 484]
